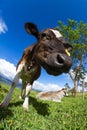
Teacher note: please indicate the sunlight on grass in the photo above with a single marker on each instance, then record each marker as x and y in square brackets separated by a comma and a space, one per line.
[70, 114]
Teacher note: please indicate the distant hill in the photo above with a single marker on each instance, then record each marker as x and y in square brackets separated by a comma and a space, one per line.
[7, 81]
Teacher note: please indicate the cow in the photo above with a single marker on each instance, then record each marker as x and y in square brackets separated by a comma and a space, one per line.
[51, 51]
[55, 96]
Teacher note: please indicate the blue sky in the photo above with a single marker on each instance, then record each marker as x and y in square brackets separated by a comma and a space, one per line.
[47, 13]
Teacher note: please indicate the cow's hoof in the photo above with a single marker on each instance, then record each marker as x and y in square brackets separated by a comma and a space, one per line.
[25, 107]
[20, 97]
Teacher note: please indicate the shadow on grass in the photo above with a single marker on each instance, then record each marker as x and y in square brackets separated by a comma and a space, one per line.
[5, 112]
[42, 108]
[17, 103]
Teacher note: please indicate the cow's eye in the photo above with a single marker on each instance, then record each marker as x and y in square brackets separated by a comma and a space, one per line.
[43, 35]
[46, 36]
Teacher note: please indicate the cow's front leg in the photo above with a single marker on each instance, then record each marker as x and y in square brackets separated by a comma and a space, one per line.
[7, 99]
[26, 101]
[23, 89]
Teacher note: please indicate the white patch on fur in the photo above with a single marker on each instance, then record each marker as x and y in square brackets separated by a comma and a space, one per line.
[25, 104]
[20, 67]
[28, 88]
[57, 33]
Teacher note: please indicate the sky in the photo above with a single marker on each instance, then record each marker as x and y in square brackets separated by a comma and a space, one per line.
[14, 39]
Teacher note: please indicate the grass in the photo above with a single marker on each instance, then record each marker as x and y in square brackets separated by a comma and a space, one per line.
[70, 114]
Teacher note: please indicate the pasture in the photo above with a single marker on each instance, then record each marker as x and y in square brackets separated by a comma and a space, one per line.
[70, 114]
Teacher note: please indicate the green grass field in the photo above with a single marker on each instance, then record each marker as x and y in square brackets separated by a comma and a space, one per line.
[70, 114]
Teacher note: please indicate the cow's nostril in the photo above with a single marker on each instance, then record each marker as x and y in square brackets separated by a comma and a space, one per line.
[60, 59]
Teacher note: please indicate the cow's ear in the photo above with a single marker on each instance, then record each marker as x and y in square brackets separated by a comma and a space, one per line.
[32, 29]
[68, 47]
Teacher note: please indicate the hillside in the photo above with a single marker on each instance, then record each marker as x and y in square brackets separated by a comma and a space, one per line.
[5, 80]
[70, 114]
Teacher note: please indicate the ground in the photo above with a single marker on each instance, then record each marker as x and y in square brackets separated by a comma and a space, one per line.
[70, 114]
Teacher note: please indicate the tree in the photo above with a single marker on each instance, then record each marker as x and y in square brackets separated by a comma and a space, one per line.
[67, 86]
[83, 84]
[76, 34]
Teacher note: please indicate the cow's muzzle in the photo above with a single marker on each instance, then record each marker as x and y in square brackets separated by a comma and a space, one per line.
[59, 60]
[63, 60]
[58, 63]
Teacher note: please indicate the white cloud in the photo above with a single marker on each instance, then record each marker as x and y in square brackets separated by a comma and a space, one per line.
[8, 70]
[45, 87]
[3, 26]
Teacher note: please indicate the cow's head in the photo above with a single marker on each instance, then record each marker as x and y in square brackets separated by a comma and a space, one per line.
[51, 51]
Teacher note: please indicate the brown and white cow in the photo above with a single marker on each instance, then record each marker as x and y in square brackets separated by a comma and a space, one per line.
[55, 96]
[51, 52]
